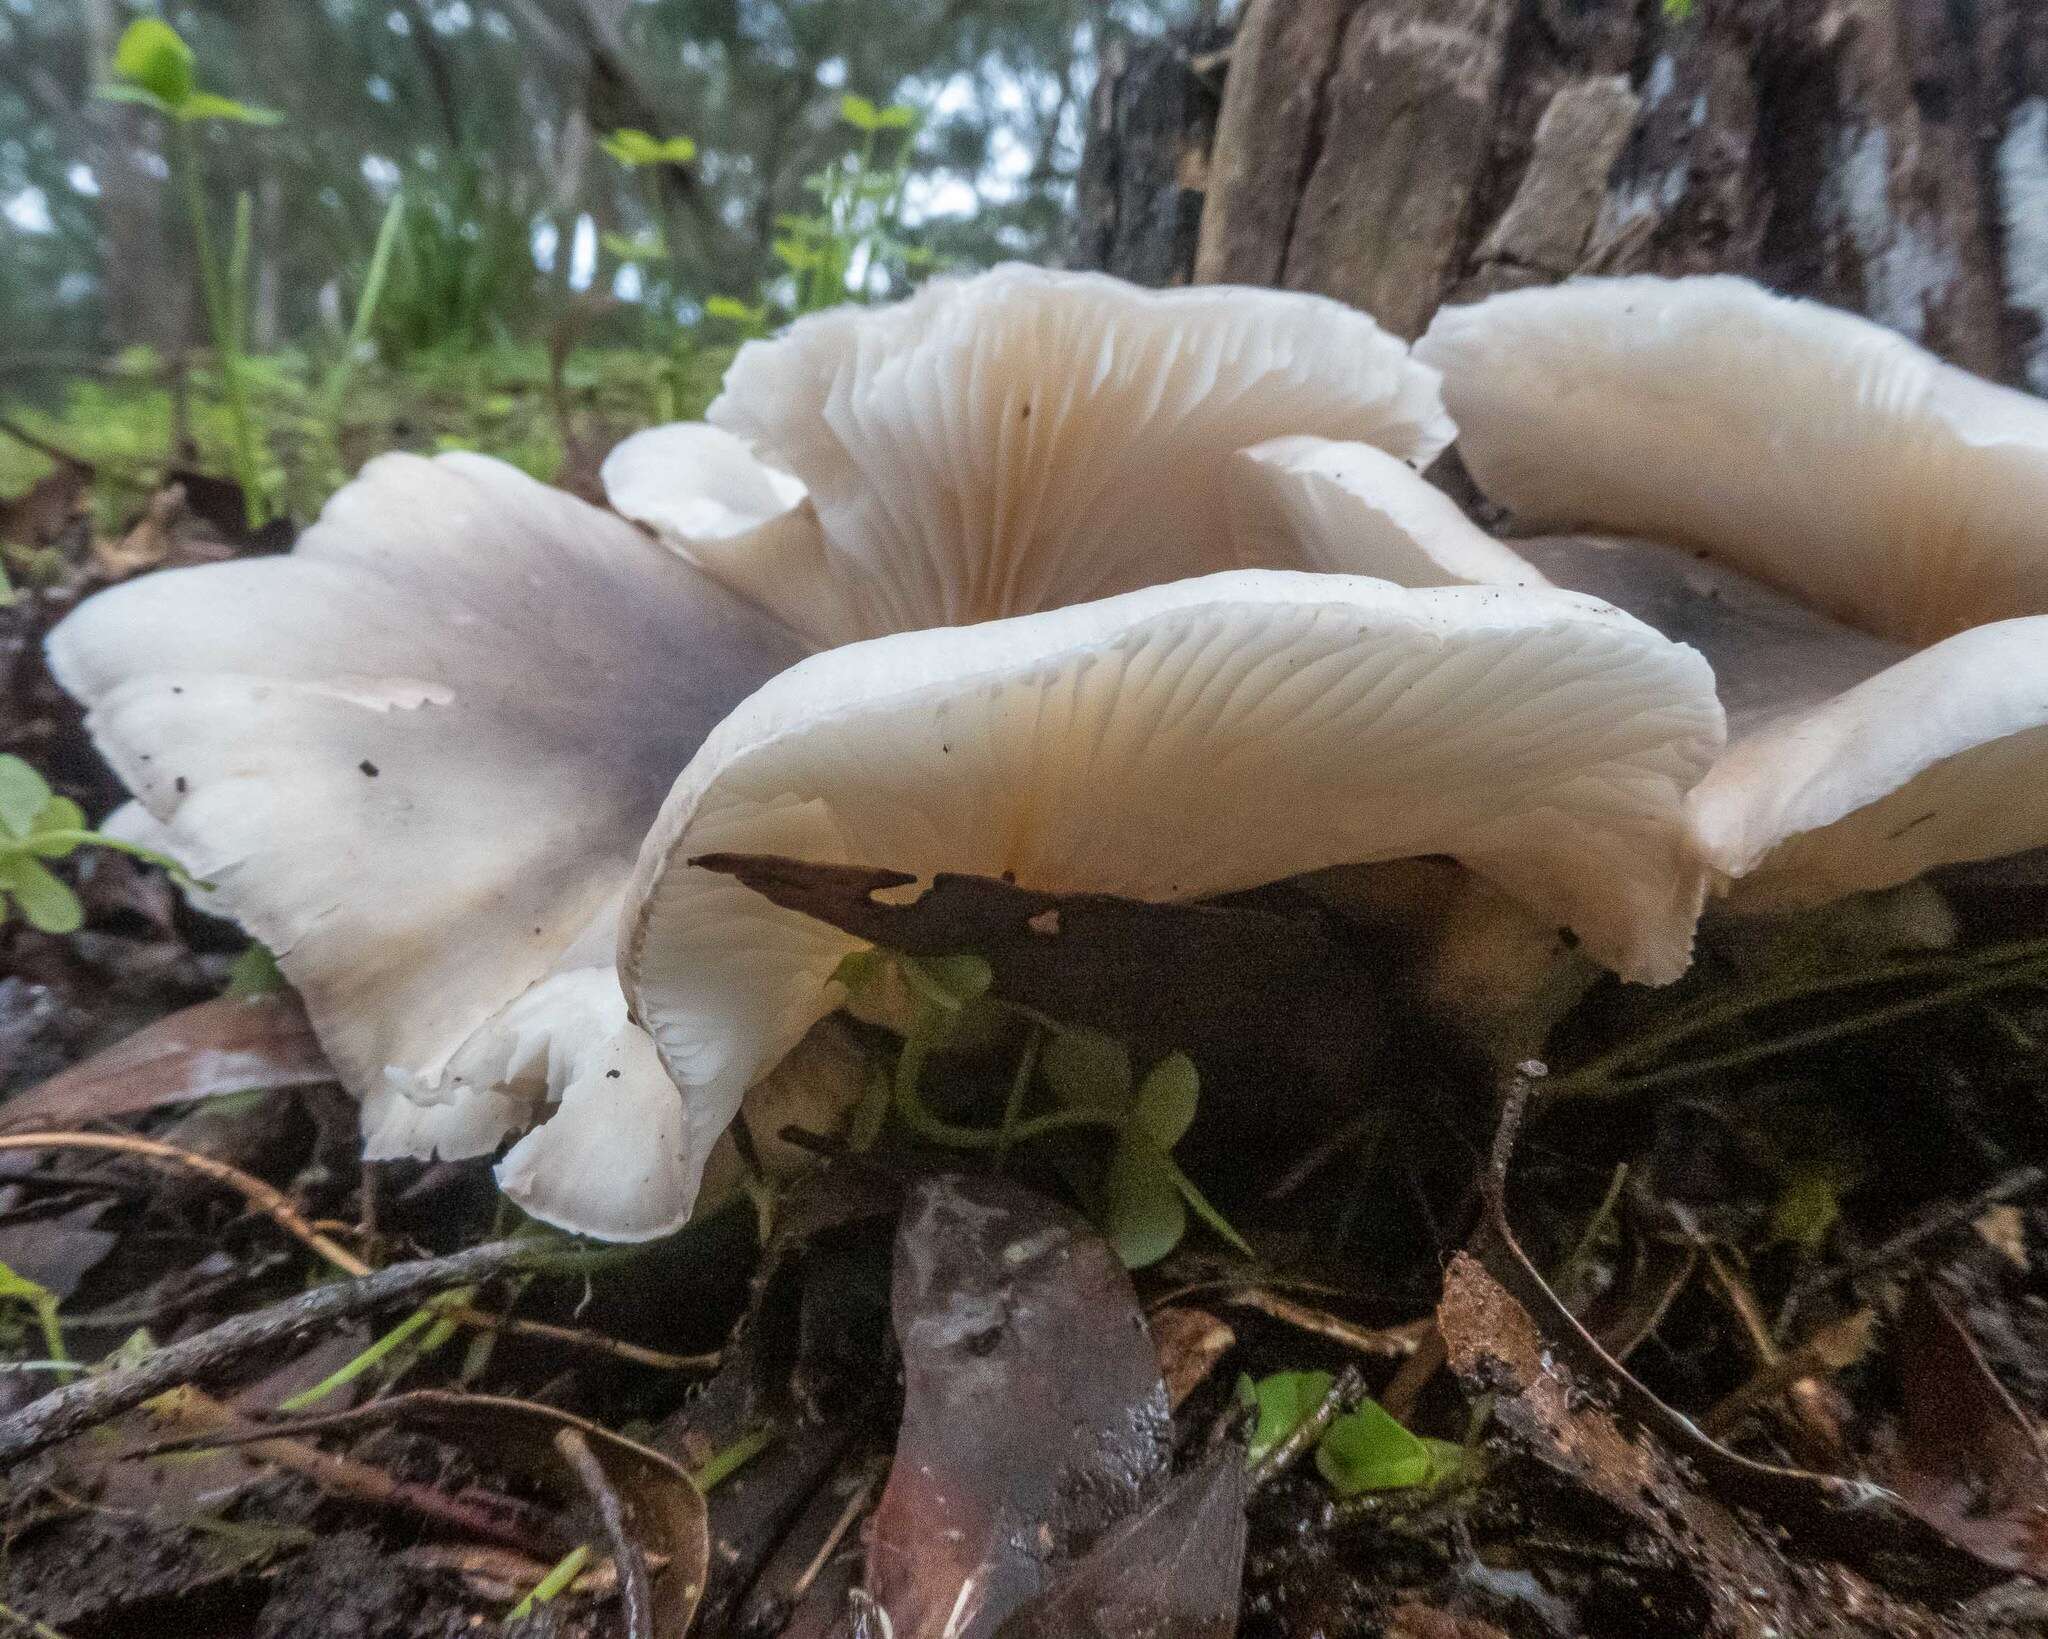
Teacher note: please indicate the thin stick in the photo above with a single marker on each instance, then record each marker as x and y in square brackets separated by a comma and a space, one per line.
[79, 1406]
[577, 1338]
[1345, 1391]
[636, 1592]
[273, 1203]
[198, 1412]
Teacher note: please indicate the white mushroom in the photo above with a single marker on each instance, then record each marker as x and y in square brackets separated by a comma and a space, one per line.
[1178, 742]
[1351, 509]
[1866, 556]
[415, 758]
[1018, 441]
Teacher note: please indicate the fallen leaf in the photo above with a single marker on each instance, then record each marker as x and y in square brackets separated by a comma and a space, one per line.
[1189, 1342]
[1219, 982]
[665, 1509]
[44, 513]
[1174, 1571]
[227, 1045]
[1970, 1462]
[1034, 1415]
[2004, 1229]
[57, 1252]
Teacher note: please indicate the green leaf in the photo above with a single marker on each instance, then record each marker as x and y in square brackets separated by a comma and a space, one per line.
[1285, 1401]
[152, 57]
[42, 1301]
[637, 148]
[644, 247]
[898, 116]
[48, 904]
[205, 105]
[859, 113]
[60, 814]
[255, 973]
[1367, 1450]
[732, 310]
[1143, 1215]
[130, 93]
[630, 147]
[1807, 1207]
[24, 796]
[960, 979]
[1087, 1070]
[1166, 1100]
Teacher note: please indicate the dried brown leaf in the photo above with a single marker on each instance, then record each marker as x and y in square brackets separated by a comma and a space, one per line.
[1034, 1416]
[227, 1045]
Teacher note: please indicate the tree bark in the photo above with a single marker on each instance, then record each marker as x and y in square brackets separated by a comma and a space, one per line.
[1886, 156]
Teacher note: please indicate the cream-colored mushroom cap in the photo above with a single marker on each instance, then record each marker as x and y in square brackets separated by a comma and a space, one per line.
[1174, 743]
[1809, 448]
[1853, 762]
[1854, 533]
[1017, 441]
[1351, 509]
[416, 757]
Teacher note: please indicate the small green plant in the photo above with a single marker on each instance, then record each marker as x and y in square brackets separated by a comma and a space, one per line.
[1141, 1198]
[335, 389]
[856, 227]
[35, 825]
[636, 149]
[860, 208]
[155, 67]
[648, 254]
[1363, 1449]
[41, 1303]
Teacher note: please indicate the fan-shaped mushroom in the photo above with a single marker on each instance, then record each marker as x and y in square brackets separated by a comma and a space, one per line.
[1181, 741]
[1854, 533]
[1017, 441]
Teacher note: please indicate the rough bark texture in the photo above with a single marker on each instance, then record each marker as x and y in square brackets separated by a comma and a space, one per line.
[1888, 156]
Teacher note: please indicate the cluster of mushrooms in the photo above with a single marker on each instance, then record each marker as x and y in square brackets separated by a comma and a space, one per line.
[1045, 576]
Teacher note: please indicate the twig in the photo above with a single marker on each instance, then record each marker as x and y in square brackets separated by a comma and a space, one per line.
[848, 1515]
[2020, 1181]
[273, 1203]
[21, 435]
[577, 1338]
[1345, 1391]
[199, 1412]
[79, 1406]
[1383, 1342]
[636, 1592]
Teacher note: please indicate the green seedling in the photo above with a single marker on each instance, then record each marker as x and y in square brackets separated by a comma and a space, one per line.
[1365, 1449]
[1144, 1199]
[154, 66]
[35, 825]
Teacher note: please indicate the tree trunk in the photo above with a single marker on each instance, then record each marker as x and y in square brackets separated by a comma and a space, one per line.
[1887, 156]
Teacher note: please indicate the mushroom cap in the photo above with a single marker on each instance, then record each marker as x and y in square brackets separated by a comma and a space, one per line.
[750, 525]
[1853, 763]
[1017, 441]
[1351, 509]
[415, 758]
[1172, 743]
[1814, 450]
